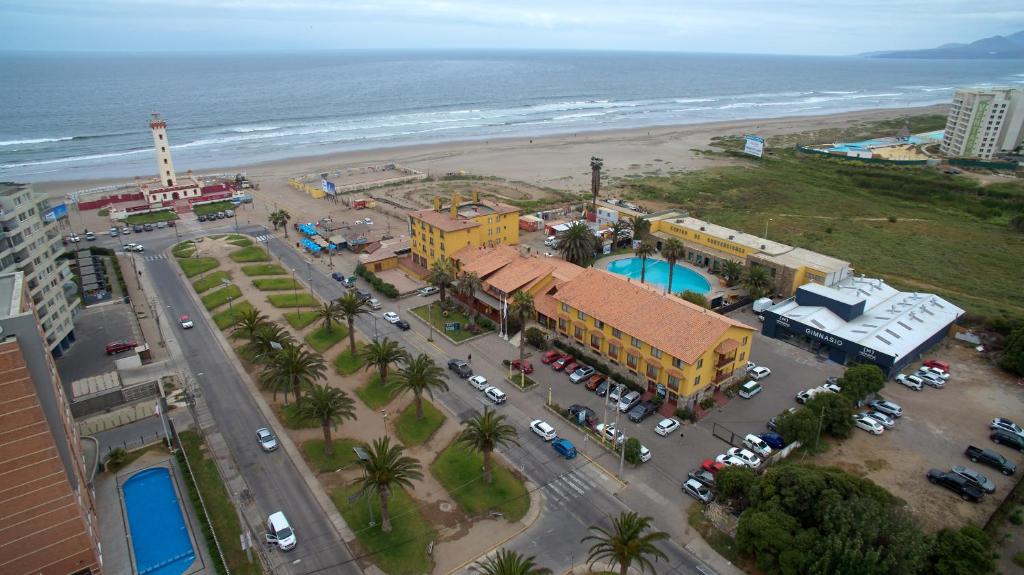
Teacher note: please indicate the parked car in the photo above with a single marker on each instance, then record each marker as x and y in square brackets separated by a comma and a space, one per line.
[628, 401]
[526, 367]
[428, 291]
[337, 276]
[114, 232]
[201, 218]
[374, 303]
[496, 395]
[666, 426]
[402, 325]
[615, 392]
[1011, 440]
[125, 231]
[266, 439]
[749, 389]
[757, 445]
[120, 346]
[478, 381]
[912, 381]
[550, 356]
[582, 372]
[229, 213]
[595, 380]
[868, 424]
[887, 407]
[363, 295]
[602, 388]
[391, 317]
[930, 379]
[186, 322]
[991, 458]
[645, 454]
[934, 371]
[560, 363]
[937, 364]
[147, 227]
[609, 433]
[831, 387]
[805, 395]
[589, 417]
[974, 478]
[137, 228]
[955, 483]
[886, 421]
[74, 238]
[698, 491]
[564, 447]
[773, 423]
[711, 466]
[543, 429]
[1001, 423]
[90, 237]
[460, 367]
[571, 367]
[774, 440]
[702, 475]
[746, 456]
[730, 460]
[161, 225]
[759, 372]
[642, 411]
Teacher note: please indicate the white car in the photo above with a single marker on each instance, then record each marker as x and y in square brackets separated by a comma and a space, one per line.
[1003, 424]
[934, 371]
[929, 378]
[368, 221]
[73, 238]
[886, 421]
[478, 381]
[911, 381]
[609, 433]
[831, 387]
[806, 395]
[429, 291]
[374, 303]
[868, 424]
[186, 322]
[666, 426]
[757, 445]
[698, 491]
[730, 460]
[645, 454]
[759, 372]
[267, 440]
[496, 395]
[543, 429]
[134, 248]
[749, 458]
[391, 317]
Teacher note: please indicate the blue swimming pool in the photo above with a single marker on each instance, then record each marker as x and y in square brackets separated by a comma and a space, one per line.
[160, 540]
[683, 279]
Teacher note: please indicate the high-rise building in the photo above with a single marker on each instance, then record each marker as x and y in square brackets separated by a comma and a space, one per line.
[50, 524]
[983, 122]
[30, 242]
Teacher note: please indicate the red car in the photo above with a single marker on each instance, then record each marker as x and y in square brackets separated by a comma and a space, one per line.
[594, 381]
[550, 356]
[560, 363]
[526, 368]
[571, 367]
[937, 364]
[711, 466]
[120, 346]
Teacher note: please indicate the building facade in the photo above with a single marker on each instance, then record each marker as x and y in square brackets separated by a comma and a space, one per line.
[983, 122]
[50, 524]
[31, 242]
[441, 232]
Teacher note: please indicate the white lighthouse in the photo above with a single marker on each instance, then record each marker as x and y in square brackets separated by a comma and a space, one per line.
[164, 165]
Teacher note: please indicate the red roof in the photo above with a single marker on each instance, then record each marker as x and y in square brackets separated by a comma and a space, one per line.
[225, 187]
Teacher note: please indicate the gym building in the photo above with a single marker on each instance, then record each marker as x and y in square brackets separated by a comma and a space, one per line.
[862, 320]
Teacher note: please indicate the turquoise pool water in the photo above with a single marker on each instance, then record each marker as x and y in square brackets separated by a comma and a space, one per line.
[683, 279]
[925, 138]
[160, 540]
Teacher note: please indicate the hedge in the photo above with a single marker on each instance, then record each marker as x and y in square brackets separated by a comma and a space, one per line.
[598, 365]
[389, 290]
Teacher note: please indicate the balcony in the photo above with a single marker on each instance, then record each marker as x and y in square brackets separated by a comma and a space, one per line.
[724, 360]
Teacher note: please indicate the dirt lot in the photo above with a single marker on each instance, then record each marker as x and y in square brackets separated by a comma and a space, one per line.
[936, 427]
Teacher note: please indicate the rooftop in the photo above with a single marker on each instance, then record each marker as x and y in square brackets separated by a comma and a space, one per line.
[10, 293]
[506, 269]
[466, 212]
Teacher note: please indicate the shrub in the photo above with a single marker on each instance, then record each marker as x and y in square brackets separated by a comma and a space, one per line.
[116, 458]
[892, 219]
[707, 402]
[633, 450]
[686, 414]
[484, 322]
[537, 338]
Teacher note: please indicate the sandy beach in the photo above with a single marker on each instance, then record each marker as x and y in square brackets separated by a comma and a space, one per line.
[560, 162]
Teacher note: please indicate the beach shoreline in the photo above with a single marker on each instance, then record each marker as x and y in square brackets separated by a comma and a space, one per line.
[558, 161]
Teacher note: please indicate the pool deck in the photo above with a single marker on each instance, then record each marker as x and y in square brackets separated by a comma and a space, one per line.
[113, 523]
[717, 287]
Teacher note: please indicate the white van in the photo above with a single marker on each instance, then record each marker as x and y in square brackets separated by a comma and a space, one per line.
[616, 392]
[280, 533]
[749, 389]
[628, 401]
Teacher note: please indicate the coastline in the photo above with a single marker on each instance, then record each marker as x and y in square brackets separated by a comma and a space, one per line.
[551, 161]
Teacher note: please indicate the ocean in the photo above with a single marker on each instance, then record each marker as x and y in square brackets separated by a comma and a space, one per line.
[71, 116]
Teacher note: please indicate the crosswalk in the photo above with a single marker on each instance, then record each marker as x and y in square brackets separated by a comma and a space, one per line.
[156, 257]
[566, 489]
[264, 238]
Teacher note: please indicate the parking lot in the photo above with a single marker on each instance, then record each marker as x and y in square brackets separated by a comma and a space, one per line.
[95, 327]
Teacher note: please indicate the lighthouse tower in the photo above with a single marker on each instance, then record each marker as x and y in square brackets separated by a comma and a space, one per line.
[164, 165]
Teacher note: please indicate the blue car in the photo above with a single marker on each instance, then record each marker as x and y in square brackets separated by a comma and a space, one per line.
[774, 440]
[564, 447]
[338, 276]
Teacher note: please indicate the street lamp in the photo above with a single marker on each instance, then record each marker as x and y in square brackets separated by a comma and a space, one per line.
[766, 227]
[295, 292]
[385, 414]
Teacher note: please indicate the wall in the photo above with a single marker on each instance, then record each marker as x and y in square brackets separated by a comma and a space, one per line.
[114, 199]
[840, 350]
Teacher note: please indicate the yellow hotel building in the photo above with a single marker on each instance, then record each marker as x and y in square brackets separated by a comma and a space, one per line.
[445, 231]
[662, 339]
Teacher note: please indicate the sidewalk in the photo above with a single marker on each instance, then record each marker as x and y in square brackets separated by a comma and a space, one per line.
[144, 307]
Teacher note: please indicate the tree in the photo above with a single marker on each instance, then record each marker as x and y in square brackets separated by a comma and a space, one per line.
[694, 297]
[672, 250]
[595, 178]
[420, 375]
[1012, 359]
[630, 540]
[507, 562]
[733, 483]
[327, 405]
[861, 380]
[116, 458]
[328, 313]
[266, 340]
[248, 322]
[350, 306]
[485, 432]
[632, 448]
[757, 282]
[442, 272]
[835, 412]
[467, 286]
[618, 230]
[536, 337]
[801, 425]
[386, 468]
[643, 251]
[770, 536]
[280, 218]
[966, 551]
[381, 354]
[731, 271]
[522, 308]
[641, 227]
[577, 244]
[293, 367]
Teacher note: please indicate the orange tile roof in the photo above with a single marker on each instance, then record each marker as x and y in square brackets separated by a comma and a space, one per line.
[677, 327]
[518, 273]
[485, 261]
[545, 305]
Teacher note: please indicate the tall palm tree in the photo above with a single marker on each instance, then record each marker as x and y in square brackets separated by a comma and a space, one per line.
[643, 251]
[577, 244]
[641, 227]
[672, 250]
[507, 562]
[381, 354]
[522, 308]
[732, 271]
[248, 321]
[442, 272]
[627, 542]
[387, 468]
[350, 306]
[618, 229]
[466, 286]
[484, 433]
[292, 368]
[757, 281]
[595, 178]
[420, 374]
[265, 341]
[329, 406]
[328, 313]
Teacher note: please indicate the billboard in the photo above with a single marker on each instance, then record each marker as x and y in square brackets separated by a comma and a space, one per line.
[328, 186]
[754, 146]
[55, 213]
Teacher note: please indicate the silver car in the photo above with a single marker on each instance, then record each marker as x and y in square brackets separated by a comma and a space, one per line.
[886, 421]
[698, 491]
[887, 407]
[267, 440]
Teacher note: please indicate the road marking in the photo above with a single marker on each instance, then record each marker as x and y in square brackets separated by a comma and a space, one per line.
[156, 257]
[263, 238]
[568, 481]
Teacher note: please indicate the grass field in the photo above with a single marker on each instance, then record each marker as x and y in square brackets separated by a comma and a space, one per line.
[184, 249]
[346, 363]
[414, 432]
[288, 416]
[263, 270]
[215, 299]
[271, 284]
[227, 318]
[240, 241]
[207, 209]
[300, 319]
[439, 320]
[459, 470]
[375, 395]
[250, 254]
[195, 266]
[323, 340]
[403, 551]
[210, 281]
[150, 218]
[343, 455]
[300, 299]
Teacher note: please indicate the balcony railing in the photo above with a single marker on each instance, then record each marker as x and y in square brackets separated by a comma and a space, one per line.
[725, 359]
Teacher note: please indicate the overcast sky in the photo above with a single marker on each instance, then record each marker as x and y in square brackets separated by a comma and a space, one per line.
[758, 26]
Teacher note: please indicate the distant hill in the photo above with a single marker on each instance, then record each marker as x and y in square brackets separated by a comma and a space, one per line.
[993, 48]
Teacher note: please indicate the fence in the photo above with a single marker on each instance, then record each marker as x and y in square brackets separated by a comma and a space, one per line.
[806, 150]
[183, 456]
[727, 435]
[134, 443]
[734, 305]
[966, 163]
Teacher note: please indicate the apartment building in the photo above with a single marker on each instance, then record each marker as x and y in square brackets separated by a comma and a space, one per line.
[30, 242]
[444, 231]
[983, 122]
[50, 524]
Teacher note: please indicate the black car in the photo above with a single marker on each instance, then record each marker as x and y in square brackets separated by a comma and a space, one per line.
[589, 417]
[602, 389]
[703, 476]
[201, 218]
[147, 227]
[956, 484]
[1011, 440]
[402, 325]
[137, 228]
[363, 295]
[991, 458]
[642, 411]
[338, 276]
[460, 368]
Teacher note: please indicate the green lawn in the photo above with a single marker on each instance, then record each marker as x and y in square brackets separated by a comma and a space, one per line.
[289, 418]
[375, 395]
[263, 270]
[195, 266]
[301, 299]
[403, 551]
[151, 218]
[213, 300]
[323, 340]
[250, 254]
[242, 242]
[207, 209]
[439, 320]
[222, 515]
[414, 432]
[210, 281]
[227, 318]
[346, 363]
[343, 455]
[459, 470]
[300, 319]
[184, 249]
[271, 284]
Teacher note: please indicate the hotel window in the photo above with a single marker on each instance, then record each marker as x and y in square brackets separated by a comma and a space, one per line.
[578, 333]
[442, 246]
[565, 307]
[673, 382]
[598, 324]
[655, 352]
[613, 351]
[631, 361]
[595, 342]
[634, 342]
[652, 372]
[745, 338]
[742, 355]
[580, 314]
[700, 363]
[676, 362]
[616, 333]
[562, 325]
[696, 381]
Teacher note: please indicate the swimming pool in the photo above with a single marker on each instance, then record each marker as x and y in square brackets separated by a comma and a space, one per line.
[160, 539]
[683, 279]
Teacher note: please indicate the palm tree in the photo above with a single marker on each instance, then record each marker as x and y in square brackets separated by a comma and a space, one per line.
[385, 469]
[485, 432]
[577, 244]
[381, 354]
[327, 405]
[643, 251]
[350, 306]
[265, 341]
[672, 250]
[732, 271]
[328, 312]
[420, 374]
[595, 178]
[280, 219]
[507, 562]
[249, 321]
[442, 272]
[522, 308]
[466, 286]
[626, 542]
[757, 281]
[292, 368]
[618, 228]
[641, 227]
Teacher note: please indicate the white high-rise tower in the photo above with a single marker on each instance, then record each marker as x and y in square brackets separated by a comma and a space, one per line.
[164, 165]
